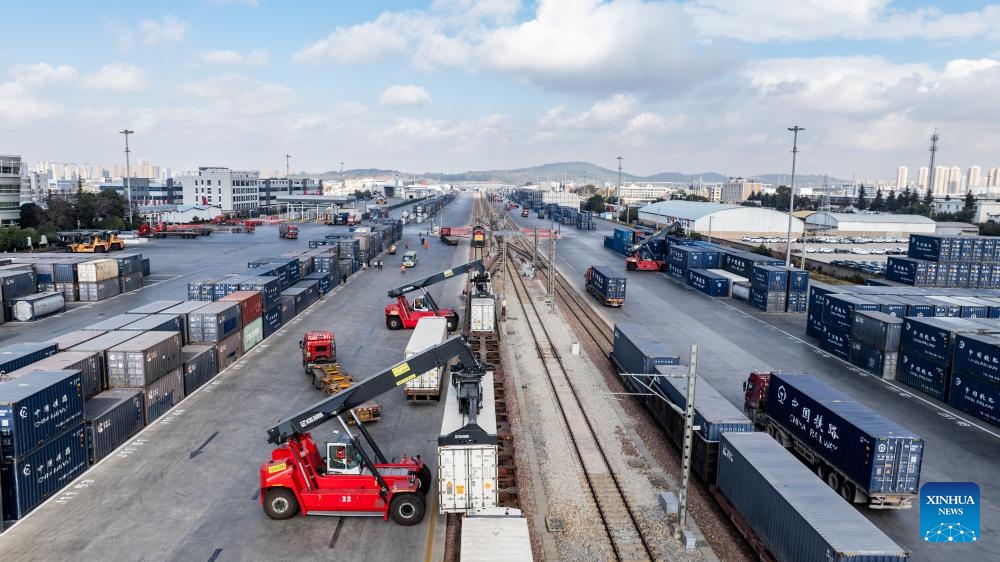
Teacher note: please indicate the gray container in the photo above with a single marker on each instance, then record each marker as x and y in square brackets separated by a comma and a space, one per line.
[164, 394]
[88, 363]
[130, 282]
[877, 329]
[69, 291]
[143, 360]
[160, 323]
[229, 350]
[101, 290]
[154, 307]
[201, 363]
[796, 515]
[116, 322]
[186, 307]
[70, 339]
[214, 322]
[33, 307]
[112, 418]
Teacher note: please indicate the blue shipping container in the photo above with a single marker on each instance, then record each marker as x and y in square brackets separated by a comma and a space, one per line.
[708, 282]
[36, 407]
[837, 342]
[877, 454]
[638, 351]
[111, 419]
[934, 338]
[923, 375]
[37, 476]
[17, 356]
[839, 309]
[977, 355]
[272, 320]
[713, 412]
[769, 277]
[608, 285]
[976, 397]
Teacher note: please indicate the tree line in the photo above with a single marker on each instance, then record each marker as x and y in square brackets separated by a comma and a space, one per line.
[105, 210]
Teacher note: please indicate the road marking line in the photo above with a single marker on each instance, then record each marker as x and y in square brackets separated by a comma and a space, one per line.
[430, 532]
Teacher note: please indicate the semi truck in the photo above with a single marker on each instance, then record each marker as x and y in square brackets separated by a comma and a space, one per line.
[289, 231]
[606, 286]
[866, 457]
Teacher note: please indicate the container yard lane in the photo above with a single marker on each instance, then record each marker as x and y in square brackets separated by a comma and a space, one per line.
[735, 339]
[187, 488]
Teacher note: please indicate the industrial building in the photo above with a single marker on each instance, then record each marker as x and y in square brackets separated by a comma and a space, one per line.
[233, 190]
[716, 218]
[870, 223]
[10, 189]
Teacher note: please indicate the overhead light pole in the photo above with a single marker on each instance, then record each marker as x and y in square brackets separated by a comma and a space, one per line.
[128, 174]
[791, 194]
[618, 190]
[287, 158]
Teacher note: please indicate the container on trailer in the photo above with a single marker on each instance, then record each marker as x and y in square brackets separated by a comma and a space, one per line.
[36, 407]
[877, 329]
[19, 355]
[213, 322]
[428, 333]
[230, 350]
[101, 290]
[144, 359]
[934, 338]
[68, 340]
[607, 284]
[165, 393]
[636, 350]
[201, 363]
[111, 419]
[482, 313]
[272, 320]
[923, 375]
[33, 307]
[95, 271]
[975, 396]
[29, 480]
[877, 454]
[251, 304]
[253, 334]
[116, 322]
[89, 364]
[794, 514]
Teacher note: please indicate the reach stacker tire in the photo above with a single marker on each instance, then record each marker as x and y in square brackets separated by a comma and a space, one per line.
[393, 323]
[452, 323]
[280, 503]
[407, 509]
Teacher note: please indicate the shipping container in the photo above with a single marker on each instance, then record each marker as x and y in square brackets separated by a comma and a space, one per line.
[87, 362]
[144, 359]
[129, 263]
[40, 474]
[112, 418]
[186, 307]
[272, 320]
[14, 284]
[606, 285]
[145, 267]
[636, 350]
[934, 338]
[269, 288]
[95, 271]
[740, 291]
[708, 282]
[130, 282]
[93, 292]
[33, 307]
[714, 413]
[322, 280]
[769, 278]
[253, 334]
[974, 307]
[794, 514]
[768, 301]
[65, 272]
[310, 291]
[251, 305]
[201, 363]
[296, 299]
[875, 360]
[836, 341]
[154, 307]
[164, 394]
[103, 343]
[203, 289]
[877, 329]
[839, 309]
[70, 339]
[977, 355]
[878, 455]
[213, 322]
[428, 333]
[506, 535]
[923, 374]
[798, 280]
[467, 455]
[230, 350]
[975, 396]
[20, 355]
[117, 322]
[36, 407]
[160, 323]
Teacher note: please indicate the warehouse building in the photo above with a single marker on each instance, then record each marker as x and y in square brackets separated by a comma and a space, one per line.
[714, 218]
[872, 223]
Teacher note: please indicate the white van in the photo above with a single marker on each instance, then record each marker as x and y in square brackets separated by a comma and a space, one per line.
[410, 259]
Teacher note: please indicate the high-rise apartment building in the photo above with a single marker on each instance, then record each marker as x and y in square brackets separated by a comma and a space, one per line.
[922, 177]
[993, 179]
[940, 181]
[737, 190]
[955, 180]
[901, 174]
[10, 189]
[974, 178]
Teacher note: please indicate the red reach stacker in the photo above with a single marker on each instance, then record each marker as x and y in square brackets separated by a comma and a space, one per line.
[343, 478]
[402, 314]
[641, 258]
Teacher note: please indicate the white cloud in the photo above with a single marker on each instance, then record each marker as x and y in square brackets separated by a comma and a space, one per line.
[117, 77]
[168, 29]
[603, 114]
[364, 43]
[238, 94]
[259, 57]
[763, 21]
[405, 96]
[19, 101]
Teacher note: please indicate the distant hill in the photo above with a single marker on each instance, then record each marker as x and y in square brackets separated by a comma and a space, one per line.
[575, 172]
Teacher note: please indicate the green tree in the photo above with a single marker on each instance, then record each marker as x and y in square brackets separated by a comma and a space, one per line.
[696, 197]
[928, 198]
[862, 198]
[31, 215]
[878, 204]
[970, 201]
[629, 214]
[596, 203]
[890, 202]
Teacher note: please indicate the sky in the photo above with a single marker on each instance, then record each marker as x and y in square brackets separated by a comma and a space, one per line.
[457, 85]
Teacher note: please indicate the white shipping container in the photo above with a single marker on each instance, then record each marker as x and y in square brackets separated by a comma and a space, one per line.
[97, 270]
[740, 291]
[253, 333]
[467, 477]
[427, 333]
[482, 315]
[496, 538]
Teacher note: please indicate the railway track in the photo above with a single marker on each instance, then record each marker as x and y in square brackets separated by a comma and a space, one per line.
[624, 535]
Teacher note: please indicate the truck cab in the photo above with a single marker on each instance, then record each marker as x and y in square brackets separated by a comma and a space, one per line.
[524, 212]
[318, 347]
[755, 394]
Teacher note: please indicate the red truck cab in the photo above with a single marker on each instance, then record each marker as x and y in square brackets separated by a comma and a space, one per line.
[755, 394]
[318, 347]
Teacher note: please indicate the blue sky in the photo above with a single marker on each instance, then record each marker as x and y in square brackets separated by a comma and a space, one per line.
[454, 85]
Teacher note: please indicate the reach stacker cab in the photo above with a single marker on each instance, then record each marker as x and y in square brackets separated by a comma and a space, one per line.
[402, 314]
[343, 478]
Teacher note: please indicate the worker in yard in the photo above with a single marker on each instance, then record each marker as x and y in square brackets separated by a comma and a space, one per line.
[402, 269]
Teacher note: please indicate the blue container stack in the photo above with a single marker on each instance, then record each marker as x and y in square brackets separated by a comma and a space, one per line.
[585, 221]
[798, 289]
[948, 261]
[769, 288]
[621, 241]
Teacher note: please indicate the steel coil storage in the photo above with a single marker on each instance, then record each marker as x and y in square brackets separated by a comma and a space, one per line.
[111, 419]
